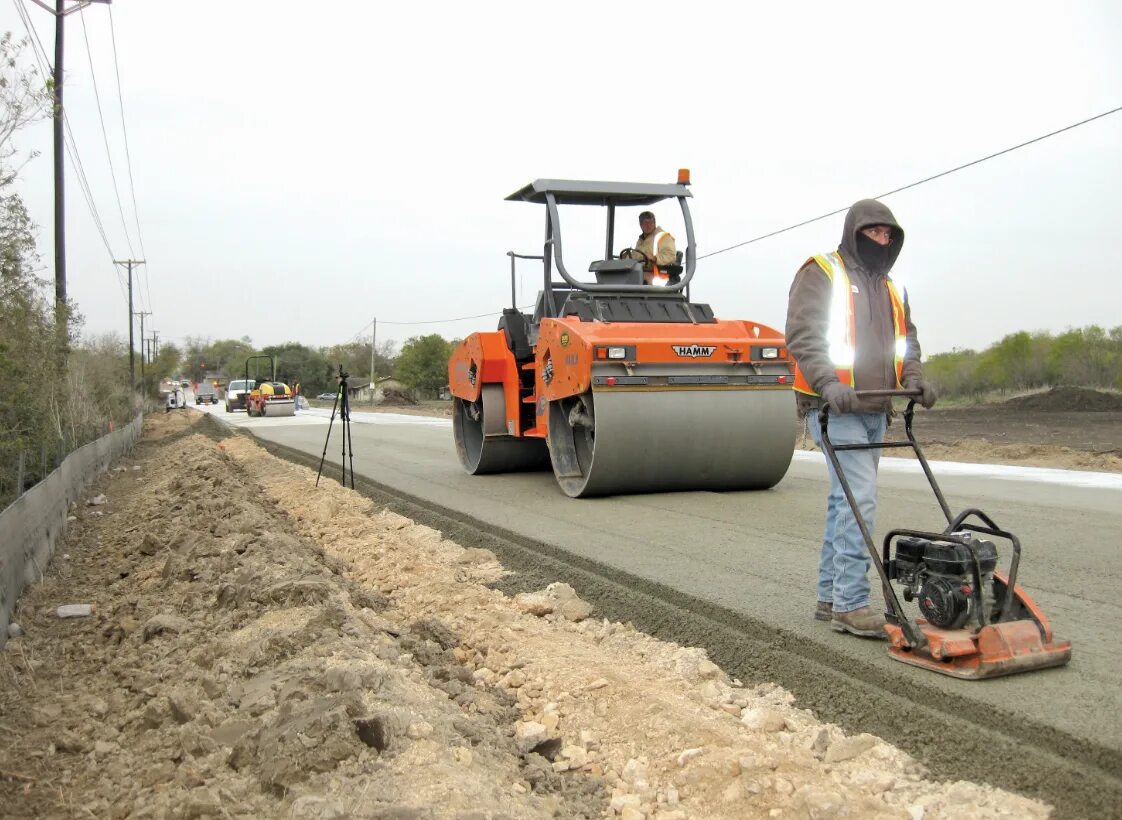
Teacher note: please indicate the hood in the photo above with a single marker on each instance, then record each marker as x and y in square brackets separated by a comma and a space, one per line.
[862, 214]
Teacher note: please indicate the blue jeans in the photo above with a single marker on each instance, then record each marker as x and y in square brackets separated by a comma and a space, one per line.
[844, 565]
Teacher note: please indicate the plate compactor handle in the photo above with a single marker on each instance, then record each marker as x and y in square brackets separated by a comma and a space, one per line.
[883, 394]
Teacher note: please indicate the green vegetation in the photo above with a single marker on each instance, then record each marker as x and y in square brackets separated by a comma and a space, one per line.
[423, 363]
[57, 390]
[1087, 357]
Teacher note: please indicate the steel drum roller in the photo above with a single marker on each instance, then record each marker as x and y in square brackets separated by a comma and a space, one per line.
[481, 440]
[635, 441]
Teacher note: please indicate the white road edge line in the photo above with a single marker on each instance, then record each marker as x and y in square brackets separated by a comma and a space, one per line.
[907, 466]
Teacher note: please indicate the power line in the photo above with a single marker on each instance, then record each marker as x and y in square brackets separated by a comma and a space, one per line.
[361, 330]
[919, 182]
[104, 133]
[69, 141]
[835, 212]
[128, 154]
[71, 145]
[458, 319]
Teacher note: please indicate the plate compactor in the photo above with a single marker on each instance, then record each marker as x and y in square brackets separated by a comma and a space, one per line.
[623, 386]
[977, 622]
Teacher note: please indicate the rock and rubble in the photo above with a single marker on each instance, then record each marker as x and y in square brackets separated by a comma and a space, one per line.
[264, 648]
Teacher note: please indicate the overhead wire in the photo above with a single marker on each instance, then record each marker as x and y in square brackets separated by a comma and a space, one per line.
[69, 142]
[362, 330]
[837, 211]
[919, 182]
[104, 133]
[457, 319]
[76, 161]
[128, 155]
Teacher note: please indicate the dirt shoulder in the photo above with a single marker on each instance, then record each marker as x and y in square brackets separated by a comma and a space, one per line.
[1064, 428]
[264, 648]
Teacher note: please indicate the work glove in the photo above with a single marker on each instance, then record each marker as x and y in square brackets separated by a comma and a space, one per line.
[841, 397]
[927, 396]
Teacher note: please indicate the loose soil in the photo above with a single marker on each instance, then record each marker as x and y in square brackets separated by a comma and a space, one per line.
[1067, 428]
[262, 647]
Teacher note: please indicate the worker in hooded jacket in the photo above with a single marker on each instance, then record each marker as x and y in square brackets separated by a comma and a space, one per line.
[849, 328]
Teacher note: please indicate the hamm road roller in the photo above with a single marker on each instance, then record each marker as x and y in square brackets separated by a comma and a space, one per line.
[622, 386]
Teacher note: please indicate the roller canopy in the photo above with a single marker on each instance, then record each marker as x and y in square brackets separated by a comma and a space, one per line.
[592, 192]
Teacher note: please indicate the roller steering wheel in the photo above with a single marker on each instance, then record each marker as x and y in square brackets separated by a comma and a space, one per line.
[635, 253]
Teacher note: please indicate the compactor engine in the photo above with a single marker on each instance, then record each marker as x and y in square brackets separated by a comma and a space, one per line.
[941, 578]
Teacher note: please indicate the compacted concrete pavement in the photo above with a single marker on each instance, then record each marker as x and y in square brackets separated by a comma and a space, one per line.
[755, 554]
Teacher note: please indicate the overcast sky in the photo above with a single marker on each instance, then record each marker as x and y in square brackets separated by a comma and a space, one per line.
[301, 168]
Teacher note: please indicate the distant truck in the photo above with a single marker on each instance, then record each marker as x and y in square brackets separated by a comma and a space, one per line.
[206, 394]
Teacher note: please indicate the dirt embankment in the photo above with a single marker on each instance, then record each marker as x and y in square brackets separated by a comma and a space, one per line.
[1068, 428]
[265, 648]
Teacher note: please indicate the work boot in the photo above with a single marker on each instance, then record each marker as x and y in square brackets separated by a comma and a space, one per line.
[866, 622]
[824, 611]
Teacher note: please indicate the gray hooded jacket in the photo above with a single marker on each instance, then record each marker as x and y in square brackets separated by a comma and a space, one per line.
[808, 315]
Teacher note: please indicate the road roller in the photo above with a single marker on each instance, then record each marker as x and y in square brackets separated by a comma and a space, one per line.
[618, 380]
[975, 620]
[269, 397]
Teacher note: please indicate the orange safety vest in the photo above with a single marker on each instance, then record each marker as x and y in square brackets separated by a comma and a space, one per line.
[841, 335]
[658, 277]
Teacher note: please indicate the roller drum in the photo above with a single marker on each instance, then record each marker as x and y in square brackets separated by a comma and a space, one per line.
[277, 409]
[615, 441]
[481, 440]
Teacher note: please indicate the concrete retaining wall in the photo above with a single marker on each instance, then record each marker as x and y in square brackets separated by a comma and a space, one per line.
[31, 526]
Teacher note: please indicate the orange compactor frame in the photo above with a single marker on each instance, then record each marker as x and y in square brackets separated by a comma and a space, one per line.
[622, 386]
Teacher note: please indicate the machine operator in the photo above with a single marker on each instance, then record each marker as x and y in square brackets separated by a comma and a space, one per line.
[655, 249]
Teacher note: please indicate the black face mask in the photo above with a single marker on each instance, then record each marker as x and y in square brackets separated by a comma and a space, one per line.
[875, 257]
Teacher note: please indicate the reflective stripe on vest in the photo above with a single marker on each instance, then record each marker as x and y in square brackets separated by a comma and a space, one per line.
[658, 277]
[841, 333]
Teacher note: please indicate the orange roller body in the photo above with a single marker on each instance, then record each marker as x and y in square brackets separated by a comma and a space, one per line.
[618, 383]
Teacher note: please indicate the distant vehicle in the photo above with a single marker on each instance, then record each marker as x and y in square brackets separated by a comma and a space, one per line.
[236, 392]
[206, 394]
[185, 383]
[175, 401]
[326, 396]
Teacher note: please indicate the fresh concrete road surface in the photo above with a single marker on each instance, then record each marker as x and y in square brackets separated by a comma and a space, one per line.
[755, 554]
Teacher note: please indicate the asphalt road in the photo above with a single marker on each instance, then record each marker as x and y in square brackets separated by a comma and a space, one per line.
[755, 555]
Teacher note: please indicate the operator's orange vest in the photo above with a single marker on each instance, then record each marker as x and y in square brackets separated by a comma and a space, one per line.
[659, 278]
[841, 334]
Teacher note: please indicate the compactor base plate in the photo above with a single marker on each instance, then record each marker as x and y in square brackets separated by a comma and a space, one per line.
[991, 652]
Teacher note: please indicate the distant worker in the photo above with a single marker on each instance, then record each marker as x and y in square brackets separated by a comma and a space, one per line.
[849, 328]
[655, 249]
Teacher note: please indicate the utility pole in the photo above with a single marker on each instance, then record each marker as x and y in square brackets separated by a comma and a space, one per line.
[60, 11]
[129, 263]
[155, 344]
[143, 386]
[373, 381]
